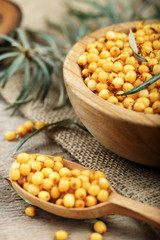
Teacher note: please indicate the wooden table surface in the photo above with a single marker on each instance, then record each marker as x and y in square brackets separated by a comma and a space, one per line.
[14, 224]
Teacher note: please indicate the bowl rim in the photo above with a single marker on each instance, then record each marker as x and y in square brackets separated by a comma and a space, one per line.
[71, 70]
[19, 19]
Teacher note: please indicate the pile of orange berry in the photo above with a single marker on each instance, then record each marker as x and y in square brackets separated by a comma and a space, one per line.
[48, 179]
[22, 130]
[110, 67]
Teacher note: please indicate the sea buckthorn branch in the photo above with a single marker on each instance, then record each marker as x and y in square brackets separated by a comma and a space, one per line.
[62, 123]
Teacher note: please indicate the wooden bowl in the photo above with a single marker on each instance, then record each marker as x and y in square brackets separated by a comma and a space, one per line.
[134, 136]
[10, 17]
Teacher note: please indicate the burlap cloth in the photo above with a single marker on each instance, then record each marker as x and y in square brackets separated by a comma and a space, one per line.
[132, 180]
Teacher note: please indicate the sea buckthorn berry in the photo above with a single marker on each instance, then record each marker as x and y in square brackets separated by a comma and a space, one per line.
[75, 172]
[21, 130]
[98, 174]
[37, 178]
[23, 158]
[156, 106]
[25, 186]
[108, 66]
[110, 44]
[117, 67]
[33, 189]
[44, 195]
[29, 177]
[144, 100]
[154, 96]
[146, 76]
[55, 193]
[148, 110]
[121, 75]
[93, 190]
[143, 93]
[131, 60]
[100, 227]
[75, 183]
[156, 44]
[127, 86]
[58, 159]
[105, 54]
[64, 172]
[139, 107]
[80, 193]
[146, 49]
[63, 185]
[153, 62]
[92, 67]
[59, 202]
[36, 166]
[29, 125]
[103, 195]
[93, 50]
[15, 165]
[110, 35]
[96, 236]
[130, 76]
[86, 80]
[92, 84]
[82, 60]
[103, 183]
[115, 51]
[112, 76]
[57, 166]
[69, 200]
[86, 185]
[92, 57]
[54, 176]
[101, 62]
[124, 56]
[120, 98]
[61, 235]
[10, 136]
[128, 68]
[30, 211]
[47, 183]
[118, 82]
[87, 172]
[15, 174]
[137, 83]
[90, 201]
[79, 203]
[113, 99]
[158, 83]
[128, 102]
[46, 172]
[25, 169]
[143, 69]
[39, 124]
[49, 163]
[102, 77]
[156, 69]
[120, 44]
[83, 178]
[101, 86]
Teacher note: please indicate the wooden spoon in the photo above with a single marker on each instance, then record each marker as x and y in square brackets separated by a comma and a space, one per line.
[116, 204]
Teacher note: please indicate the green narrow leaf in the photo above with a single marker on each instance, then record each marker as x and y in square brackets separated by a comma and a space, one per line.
[132, 42]
[45, 71]
[62, 123]
[133, 45]
[23, 38]
[8, 55]
[142, 86]
[10, 40]
[16, 64]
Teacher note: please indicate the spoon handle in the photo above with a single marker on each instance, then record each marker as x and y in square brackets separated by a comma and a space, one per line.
[128, 207]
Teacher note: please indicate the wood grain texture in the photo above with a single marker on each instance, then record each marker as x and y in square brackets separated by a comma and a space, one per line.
[134, 136]
[116, 204]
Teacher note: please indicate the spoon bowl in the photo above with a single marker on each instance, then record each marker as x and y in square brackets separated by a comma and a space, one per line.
[116, 204]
